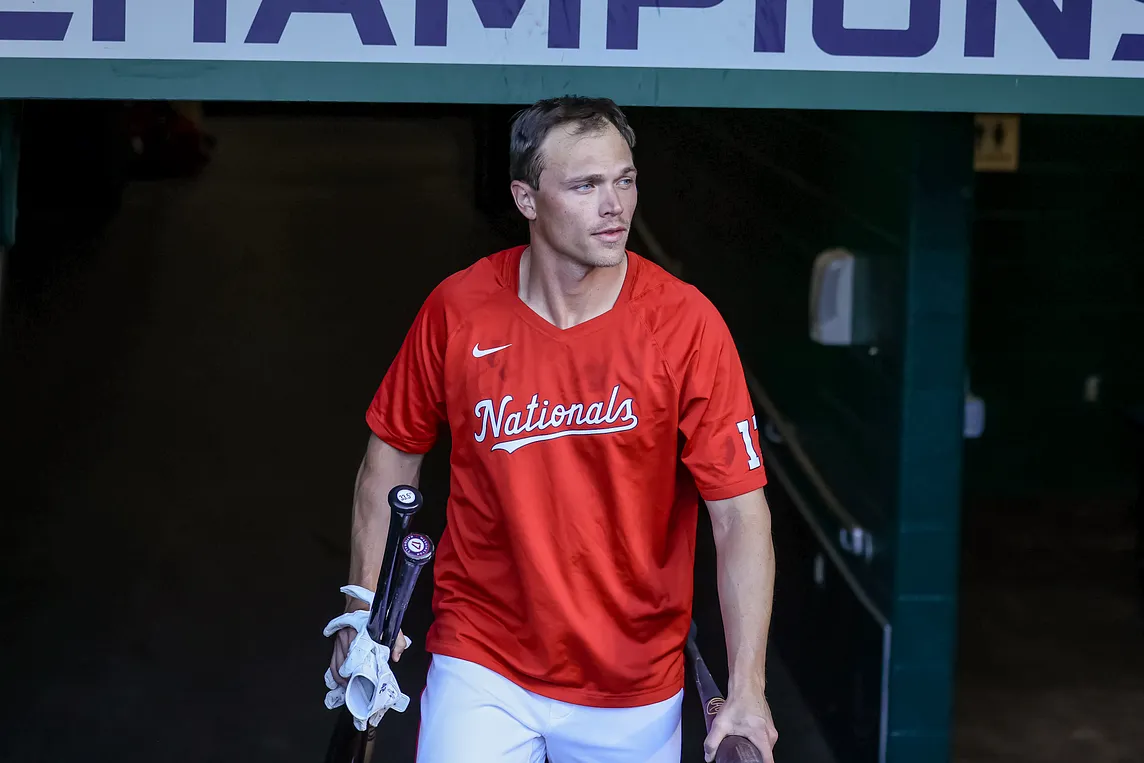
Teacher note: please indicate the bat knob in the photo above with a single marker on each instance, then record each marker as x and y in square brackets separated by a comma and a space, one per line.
[405, 500]
[417, 548]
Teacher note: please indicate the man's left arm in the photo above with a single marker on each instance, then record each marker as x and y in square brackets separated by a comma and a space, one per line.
[746, 575]
[722, 451]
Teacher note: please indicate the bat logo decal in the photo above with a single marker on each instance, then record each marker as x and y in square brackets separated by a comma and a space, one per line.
[415, 545]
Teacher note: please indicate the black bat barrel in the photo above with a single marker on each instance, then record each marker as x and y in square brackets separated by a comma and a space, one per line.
[416, 551]
[347, 744]
[404, 502]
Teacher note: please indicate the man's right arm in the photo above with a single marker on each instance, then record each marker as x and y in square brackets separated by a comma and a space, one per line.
[408, 409]
[382, 468]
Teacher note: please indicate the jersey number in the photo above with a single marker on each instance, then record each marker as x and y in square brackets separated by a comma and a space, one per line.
[753, 461]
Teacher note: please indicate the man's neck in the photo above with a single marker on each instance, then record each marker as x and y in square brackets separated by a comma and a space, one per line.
[567, 293]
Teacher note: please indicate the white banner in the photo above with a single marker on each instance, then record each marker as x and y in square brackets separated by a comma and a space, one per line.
[1078, 38]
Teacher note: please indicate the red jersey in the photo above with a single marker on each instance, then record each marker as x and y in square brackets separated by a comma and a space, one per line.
[577, 458]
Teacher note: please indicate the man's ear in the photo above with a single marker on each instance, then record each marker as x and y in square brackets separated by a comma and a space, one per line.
[525, 198]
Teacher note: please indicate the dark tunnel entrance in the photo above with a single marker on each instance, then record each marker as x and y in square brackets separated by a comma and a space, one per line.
[188, 348]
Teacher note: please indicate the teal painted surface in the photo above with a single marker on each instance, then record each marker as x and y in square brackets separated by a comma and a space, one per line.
[919, 747]
[1058, 295]
[9, 169]
[930, 444]
[442, 83]
[748, 201]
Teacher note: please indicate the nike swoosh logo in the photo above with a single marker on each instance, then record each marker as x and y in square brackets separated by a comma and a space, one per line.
[479, 353]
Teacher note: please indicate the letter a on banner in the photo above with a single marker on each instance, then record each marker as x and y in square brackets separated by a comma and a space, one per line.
[431, 20]
[369, 18]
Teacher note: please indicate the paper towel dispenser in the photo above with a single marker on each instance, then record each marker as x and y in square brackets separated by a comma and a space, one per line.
[839, 303]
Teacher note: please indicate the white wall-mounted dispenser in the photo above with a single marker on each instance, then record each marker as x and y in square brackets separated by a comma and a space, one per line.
[838, 300]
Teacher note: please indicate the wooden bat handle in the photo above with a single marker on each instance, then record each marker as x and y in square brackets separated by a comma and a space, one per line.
[736, 749]
[733, 749]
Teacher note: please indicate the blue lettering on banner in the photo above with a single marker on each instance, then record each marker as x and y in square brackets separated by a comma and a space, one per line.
[770, 26]
[210, 21]
[1067, 29]
[1130, 48]
[1066, 26]
[109, 20]
[108, 24]
[624, 18]
[431, 20]
[916, 40]
[48, 26]
[369, 18]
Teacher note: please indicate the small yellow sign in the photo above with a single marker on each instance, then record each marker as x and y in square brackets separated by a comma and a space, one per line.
[997, 142]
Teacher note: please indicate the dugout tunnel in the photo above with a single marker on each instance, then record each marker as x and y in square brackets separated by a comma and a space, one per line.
[186, 354]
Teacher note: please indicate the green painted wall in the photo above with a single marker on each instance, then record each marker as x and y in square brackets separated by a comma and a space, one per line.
[9, 169]
[1058, 295]
[746, 201]
[129, 79]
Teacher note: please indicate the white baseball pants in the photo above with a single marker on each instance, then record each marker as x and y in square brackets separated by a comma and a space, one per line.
[472, 714]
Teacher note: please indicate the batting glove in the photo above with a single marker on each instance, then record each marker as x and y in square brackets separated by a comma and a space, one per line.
[372, 688]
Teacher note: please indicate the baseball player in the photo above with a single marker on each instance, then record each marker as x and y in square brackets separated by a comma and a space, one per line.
[592, 398]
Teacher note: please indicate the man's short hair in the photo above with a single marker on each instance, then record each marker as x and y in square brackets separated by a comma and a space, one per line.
[531, 126]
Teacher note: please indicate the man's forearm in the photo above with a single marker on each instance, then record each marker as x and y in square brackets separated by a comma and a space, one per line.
[381, 469]
[746, 573]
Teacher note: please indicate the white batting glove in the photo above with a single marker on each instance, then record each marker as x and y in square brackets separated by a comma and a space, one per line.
[372, 688]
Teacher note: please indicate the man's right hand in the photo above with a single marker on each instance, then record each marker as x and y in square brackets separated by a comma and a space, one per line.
[342, 641]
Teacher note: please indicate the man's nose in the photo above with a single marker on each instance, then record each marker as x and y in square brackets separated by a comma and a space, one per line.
[610, 203]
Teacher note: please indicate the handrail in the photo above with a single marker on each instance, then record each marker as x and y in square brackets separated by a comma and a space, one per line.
[853, 537]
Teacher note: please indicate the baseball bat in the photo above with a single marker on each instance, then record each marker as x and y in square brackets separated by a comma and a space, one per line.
[404, 502]
[733, 749]
[416, 551]
[347, 744]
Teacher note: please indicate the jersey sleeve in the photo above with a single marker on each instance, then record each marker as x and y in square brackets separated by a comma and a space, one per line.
[409, 404]
[717, 416]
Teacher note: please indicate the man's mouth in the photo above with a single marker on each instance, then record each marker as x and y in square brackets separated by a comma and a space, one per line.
[611, 233]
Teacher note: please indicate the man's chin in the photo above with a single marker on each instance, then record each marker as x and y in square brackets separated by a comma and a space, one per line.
[599, 254]
[608, 254]
[607, 259]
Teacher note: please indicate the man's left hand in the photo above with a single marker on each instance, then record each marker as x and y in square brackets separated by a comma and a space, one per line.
[748, 717]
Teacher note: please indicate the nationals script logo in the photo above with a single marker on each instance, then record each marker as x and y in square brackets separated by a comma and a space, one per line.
[524, 427]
